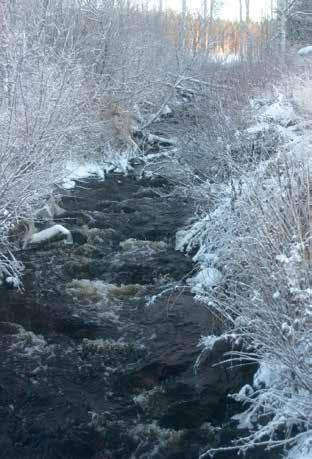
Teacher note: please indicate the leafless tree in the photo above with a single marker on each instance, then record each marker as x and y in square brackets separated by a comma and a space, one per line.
[241, 29]
[283, 11]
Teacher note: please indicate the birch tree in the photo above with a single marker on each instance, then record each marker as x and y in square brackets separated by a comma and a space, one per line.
[241, 30]
[205, 24]
[183, 24]
[282, 11]
[248, 31]
[210, 10]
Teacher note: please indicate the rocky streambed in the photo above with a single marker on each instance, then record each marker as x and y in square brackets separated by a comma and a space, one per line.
[97, 355]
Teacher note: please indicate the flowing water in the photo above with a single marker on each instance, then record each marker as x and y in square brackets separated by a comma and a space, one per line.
[97, 355]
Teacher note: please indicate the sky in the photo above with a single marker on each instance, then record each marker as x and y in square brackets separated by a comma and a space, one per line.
[258, 8]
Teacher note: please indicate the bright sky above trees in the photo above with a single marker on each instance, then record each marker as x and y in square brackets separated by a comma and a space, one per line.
[259, 8]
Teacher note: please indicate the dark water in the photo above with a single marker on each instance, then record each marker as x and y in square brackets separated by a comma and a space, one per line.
[90, 367]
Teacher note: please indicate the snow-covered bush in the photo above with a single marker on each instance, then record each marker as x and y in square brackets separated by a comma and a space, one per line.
[258, 236]
[71, 76]
[215, 132]
[39, 112]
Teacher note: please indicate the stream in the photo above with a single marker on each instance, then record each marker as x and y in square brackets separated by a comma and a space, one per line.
[97, 355]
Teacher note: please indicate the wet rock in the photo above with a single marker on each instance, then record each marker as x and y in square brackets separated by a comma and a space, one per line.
[142, 262]
[224, 378]
[74, 217]
[156, 139]
[99, 236]
[145, 248]
[125, 292]
[79, 236]
[146, 193]
[88, 250]
[82, 267]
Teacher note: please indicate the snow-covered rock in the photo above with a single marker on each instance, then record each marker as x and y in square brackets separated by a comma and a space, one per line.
[306, 51]
[156, 139]
[166, 111]
[48, 234]
[13, 282]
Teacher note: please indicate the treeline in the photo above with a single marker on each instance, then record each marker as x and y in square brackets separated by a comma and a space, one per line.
[218, 36]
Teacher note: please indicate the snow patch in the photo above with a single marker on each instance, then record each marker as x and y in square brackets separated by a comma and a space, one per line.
[266, 376]
[118, 161]
[112, 161]
[258, 128]
[13, 282]
[166, 110]
[280, 111]
[303, 450]
[208, 342]
[154, 139]
[207, 278]
[77, 171]
[51, 233]
[306, 51]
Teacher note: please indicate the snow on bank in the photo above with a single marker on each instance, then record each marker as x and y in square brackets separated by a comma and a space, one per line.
[257, 233]
[280, 111]
[78, 171]
[207, 278]
[111, 161]
[304, 448]
[274, 111]
[278, 406]
[212, 235]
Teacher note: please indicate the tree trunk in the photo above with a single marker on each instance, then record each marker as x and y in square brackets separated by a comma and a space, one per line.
[205, 25]
[211, 17]
[248, 32]
[282, 9]
[183, 25]
[241, 28]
